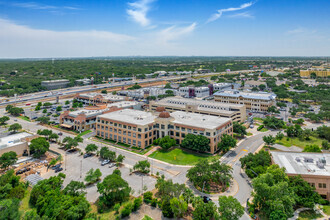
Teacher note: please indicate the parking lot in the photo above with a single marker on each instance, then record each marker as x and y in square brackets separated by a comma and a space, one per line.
[76, 168]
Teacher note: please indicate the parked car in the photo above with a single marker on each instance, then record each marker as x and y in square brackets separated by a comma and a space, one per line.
[88, 155]
[72, 150]
[206, 199]
[56, 166]
[58, 169]
[105, 162]
[60, 133]
[112, 165]
[251, 126]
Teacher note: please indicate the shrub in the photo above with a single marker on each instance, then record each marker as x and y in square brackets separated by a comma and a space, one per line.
[126, 210]
[147, 197]
[154, 202]
[166, 209]
[137, 204]
[116, 208]
[260, 127]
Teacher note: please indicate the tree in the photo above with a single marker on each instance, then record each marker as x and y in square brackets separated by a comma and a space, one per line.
[269, 140]
[205, 173]
[53, 136]
[227, 142]
[255, 89]
[166, 208]
[91, 148]
[4, 119]
[273, 109]
[15, 111]
[9, 209]
[256, 164]
[165, 142]
[104, 91]
[198, 143]
[59, 108]
[75, 188]
[323, 132]
[113, 189]
[105, 153]
[15, 127]
[325, 145]
[7, 159]
[37, 108]
[120, 159]
[168, 86]
[72, 142]
[45, 132]
[262, 87]
[43, 120]
[137, 204]
[142, 166]
[179, 206]
[279, 136]
[205, 211]
[67, 102]
[239, 128]
[274, 123]
[44, 111]
[93, 176]
[294, 131]
[230, 208]
[312, 148]
[39, 146]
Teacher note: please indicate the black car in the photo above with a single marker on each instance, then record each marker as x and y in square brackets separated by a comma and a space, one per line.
[206, 199]
[72, 150]
[60, 134]
[88, 155]
[56, 166]
[58, 169]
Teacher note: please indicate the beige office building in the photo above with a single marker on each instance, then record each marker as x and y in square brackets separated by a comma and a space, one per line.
[237, 112]
[318, 72]
[254, 101]
[312, 167]
[139, 128]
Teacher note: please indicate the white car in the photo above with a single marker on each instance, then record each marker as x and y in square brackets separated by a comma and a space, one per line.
[105, 162]
[112, 165]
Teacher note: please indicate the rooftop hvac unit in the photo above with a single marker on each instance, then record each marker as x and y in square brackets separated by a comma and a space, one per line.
[308, 160]
[322, 160]
[320, 165]
[297, 159]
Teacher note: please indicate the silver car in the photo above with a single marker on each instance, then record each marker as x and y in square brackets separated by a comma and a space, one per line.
[105, 162]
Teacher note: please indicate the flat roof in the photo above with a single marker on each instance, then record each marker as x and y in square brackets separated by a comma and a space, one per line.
[13, 140]
[303, 163]
[88, 113]
[105, 96]
[130, 116]
[56, 80]
[123, 104]
[198, 120]
[249, 95]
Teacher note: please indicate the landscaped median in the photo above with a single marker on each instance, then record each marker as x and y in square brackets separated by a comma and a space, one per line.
[179, 156]
[295, 141]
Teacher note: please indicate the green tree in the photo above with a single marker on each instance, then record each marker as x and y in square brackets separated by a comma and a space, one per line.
[37, 108]
[198, 143]
[9, 209]
[15, 127]
[43, 120]
[269, 140]
[325, 145]
[227, 142]
[273, 109]
[137, 204]
[120, 159]
[104, 91]
[14, 111]
[255, 89]
[90, 148]
[53, 136]
[179, 206]
[274, 123]
[72, 142]
[142, 166]
[75, 188]
[59, 108]
[7, 159]
[256, 164]
[93, 176]
[165, 142]
[39, 146]
[4, 119]
[239, 128]
[205, 211]
[113, 189]
[312, 148]
[230, 208]
[67, 102]
[168, 86]
[44, 111]
[45, 132]
[279, 136]
[166, 208]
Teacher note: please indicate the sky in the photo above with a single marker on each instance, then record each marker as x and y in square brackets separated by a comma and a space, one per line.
[85, 28]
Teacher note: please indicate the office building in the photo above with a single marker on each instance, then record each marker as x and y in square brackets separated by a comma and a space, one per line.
[16, 142]
[55, 84]
[318, 73]
[139, 128]
[237, 112]
[198, 92]
[98, 98]
[312, 167]
[84, 81]
[254, 101]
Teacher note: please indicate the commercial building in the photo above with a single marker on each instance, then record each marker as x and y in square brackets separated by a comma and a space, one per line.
[312, 167]
[16, 142]
[55, 84]
[145, 92]
[224, 86]
[237, 112]
[318, 72]
[254, 101]
[249, 84]
[198, 92]
[98, 98]
[85, 119]
[84, 81]
[139, 128]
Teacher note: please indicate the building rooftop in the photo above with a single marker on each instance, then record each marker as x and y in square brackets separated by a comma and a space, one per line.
[249, 95]
[105, 96]
[130, 116]
[56, 80]
[198, 120]
[13, 140]
[303, 163]
[88, 113]
[123, 104]
[254, 83]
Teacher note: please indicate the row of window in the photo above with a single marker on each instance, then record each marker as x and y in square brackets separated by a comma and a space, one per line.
[114, 124]
[123, 139]
[320, 185]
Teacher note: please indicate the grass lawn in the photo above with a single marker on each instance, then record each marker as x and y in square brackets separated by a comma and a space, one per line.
[326, 209]
[25, 206]
[258, 119]
[24, 118]
[309, 214]
[299, 143]
[84, 132]
[180, 157]
[249, 134]
[264, 130]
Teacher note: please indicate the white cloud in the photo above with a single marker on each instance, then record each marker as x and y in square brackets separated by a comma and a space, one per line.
[37, 6]
[221, 11]
[23, 41]
[241, 15]
[300, 31]
[138, 11]
[174, 33]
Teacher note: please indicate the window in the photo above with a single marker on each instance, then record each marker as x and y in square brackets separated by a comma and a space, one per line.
[183, 129]
[162, 126]
[139, 130]
[134, 134]
[139, 136]
[125, 126]
[208, 134]
[129, 133]
[322, 185]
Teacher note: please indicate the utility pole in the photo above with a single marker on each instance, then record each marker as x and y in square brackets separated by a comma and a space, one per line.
[65, 159]
[80, 168]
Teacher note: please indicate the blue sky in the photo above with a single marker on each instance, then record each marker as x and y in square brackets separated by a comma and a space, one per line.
[85, 28]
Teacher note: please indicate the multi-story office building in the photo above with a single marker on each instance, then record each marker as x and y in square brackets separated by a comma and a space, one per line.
[312, 167]
[224, 86]
[318, 72]
[254, 101]
[98, 98]
[198, 92]
[138, 128]
[237, 112]
[55, 84]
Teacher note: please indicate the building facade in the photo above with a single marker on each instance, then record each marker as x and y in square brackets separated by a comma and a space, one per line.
[254, 101]
[318, 72]
[55, 84]
[198, 92]
[98, 98]
[237, 112]
[138, 128]
[18, 143]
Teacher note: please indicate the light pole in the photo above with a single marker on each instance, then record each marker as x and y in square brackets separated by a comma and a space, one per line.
[80, 168]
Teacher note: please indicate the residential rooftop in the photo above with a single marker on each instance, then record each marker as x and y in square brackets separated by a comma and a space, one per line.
[303, 163]
[130, 116]
[198, 120]
[249, 95]
[13, 140]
